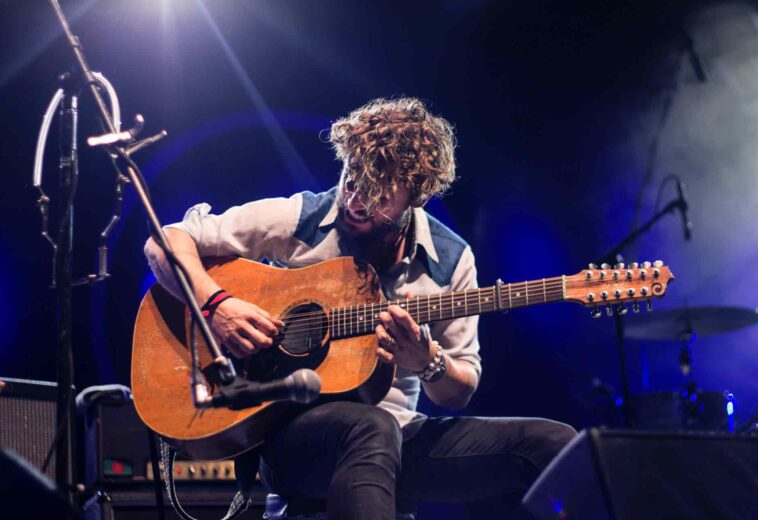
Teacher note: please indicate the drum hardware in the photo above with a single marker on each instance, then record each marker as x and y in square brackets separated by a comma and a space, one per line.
[690, 408]
[704, 321]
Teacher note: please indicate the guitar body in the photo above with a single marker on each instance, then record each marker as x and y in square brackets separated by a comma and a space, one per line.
[161, 367]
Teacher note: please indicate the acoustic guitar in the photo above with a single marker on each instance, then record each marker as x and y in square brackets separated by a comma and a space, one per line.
[330, 312]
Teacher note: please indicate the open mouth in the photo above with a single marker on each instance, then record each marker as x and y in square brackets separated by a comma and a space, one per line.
[355, 218]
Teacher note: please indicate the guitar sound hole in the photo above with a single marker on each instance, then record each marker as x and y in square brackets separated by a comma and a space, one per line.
[305, 328]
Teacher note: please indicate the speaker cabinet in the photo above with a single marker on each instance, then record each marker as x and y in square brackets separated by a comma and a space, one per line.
[26, 493]
[632, 475]
[116, 444]
[27, 419]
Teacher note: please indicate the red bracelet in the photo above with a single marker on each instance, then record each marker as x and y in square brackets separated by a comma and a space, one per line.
[214, 301]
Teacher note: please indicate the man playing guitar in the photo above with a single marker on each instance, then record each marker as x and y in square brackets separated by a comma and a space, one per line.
[368, 460]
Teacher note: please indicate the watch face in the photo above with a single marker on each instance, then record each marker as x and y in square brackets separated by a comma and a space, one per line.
[436, 369]
[437, 374]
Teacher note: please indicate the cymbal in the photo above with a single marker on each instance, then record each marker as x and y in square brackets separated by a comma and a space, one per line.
[673, 323]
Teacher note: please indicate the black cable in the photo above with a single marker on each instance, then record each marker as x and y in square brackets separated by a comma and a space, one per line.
[53, 444]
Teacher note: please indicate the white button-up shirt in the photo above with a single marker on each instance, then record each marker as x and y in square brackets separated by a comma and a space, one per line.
[301, 230]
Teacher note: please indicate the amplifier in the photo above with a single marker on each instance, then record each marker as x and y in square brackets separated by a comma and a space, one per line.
[118, 465]
[117, 450]
[27, 419]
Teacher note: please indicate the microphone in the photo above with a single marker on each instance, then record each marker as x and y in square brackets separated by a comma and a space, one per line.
[683, 210]
[698, 67]
[302, 386]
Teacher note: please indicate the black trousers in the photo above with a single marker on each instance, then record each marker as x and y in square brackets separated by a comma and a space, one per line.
[354, 456]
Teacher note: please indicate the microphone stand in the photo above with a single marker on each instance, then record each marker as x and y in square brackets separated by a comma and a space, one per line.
[69, 173]
[614, 256]
[119, 147]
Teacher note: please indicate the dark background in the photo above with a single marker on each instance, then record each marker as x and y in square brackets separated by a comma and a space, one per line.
[568, 114]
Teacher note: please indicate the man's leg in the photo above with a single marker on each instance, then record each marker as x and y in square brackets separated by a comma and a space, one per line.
[464, 459]
[346, 452]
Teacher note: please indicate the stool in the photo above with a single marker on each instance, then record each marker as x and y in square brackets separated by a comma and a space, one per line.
[298, 508]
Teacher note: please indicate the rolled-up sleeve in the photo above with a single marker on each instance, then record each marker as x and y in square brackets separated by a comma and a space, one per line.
[256, 230]
[459, 338]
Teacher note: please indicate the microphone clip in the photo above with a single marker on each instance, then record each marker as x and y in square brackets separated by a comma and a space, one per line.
[127, 137]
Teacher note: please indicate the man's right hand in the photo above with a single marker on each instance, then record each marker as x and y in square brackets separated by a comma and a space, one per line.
[243, 327]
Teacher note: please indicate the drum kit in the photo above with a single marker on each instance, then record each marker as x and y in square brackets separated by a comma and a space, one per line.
[689, 407]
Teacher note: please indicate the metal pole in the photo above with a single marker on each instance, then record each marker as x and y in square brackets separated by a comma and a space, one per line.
[69, 171]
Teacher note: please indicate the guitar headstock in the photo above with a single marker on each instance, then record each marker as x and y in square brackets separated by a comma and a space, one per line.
[614, 287]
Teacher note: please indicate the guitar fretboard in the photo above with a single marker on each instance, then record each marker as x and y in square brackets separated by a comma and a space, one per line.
[358, 320]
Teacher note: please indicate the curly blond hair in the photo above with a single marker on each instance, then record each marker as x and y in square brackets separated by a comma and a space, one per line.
[395, 142]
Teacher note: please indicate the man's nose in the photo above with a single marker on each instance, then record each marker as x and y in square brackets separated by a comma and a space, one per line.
[355, 203]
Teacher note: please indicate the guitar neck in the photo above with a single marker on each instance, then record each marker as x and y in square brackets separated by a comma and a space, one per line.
[359, 320]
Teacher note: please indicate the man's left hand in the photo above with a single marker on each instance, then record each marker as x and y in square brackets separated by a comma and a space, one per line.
[402, 340]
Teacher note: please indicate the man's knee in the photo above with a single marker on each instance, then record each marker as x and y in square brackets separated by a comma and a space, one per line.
[375, 425]
[551, 437]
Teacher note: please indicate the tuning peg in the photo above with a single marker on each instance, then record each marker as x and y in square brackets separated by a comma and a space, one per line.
[646, 265]
[656, 273]
[643, 274]
[658, 263]
[604, 266]
[592, 266]
[636, 307]
[619, 265]
[634, 265]
[644, 291]
[595, 312]
[649, 305]
[604, 295]
[608, 311]
[629, 275]
[617, 293]
[616, 275]
[621, 309]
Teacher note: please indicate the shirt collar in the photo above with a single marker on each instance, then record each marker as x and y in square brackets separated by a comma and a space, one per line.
[330, 217]
[421, 234]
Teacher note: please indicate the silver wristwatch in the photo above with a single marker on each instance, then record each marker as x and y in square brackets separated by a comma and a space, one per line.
[435, 369]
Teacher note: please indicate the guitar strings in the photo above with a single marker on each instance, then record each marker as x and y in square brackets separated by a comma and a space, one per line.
[473, 294]
[350, 324]
[420, 301]
[445, 297]
[347, 320]
[532, 291]
[348, 314]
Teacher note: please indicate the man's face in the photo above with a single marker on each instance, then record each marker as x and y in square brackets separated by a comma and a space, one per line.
[382, 224]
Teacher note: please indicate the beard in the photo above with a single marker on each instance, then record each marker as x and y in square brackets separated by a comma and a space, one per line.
[379, 244]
